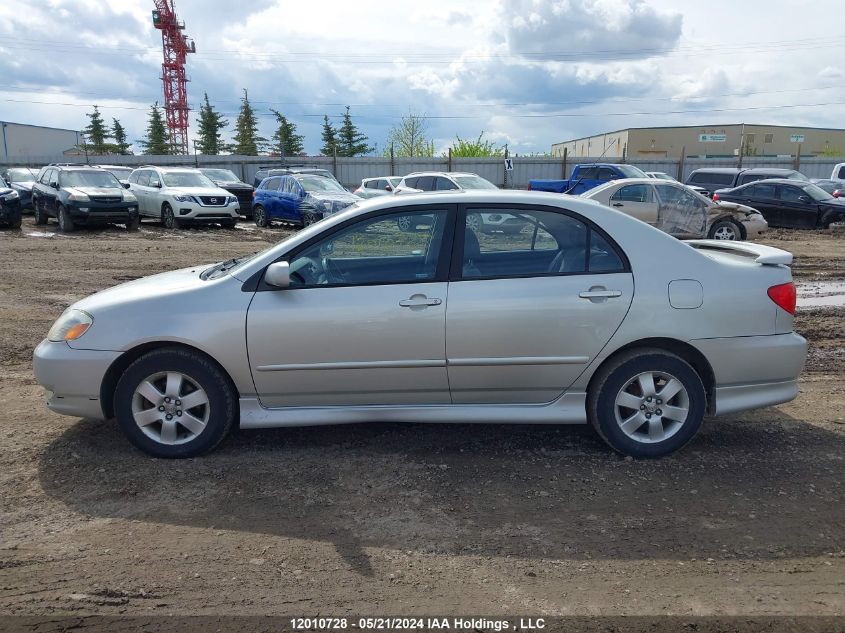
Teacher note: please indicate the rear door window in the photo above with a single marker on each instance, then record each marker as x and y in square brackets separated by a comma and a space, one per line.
[606, 174]
[762, 190]
[426, 183]
[588, 173]
[444, 184]
[411, 182]
[272, 184]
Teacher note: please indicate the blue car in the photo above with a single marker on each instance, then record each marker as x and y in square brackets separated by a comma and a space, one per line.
[300, 199]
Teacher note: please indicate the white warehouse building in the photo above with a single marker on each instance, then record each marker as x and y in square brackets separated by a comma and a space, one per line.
[19, 141]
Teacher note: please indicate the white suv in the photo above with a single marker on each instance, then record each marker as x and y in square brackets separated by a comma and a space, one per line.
[177, 195]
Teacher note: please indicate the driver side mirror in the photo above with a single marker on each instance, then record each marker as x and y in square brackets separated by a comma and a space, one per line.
[125, 185]
[805, 199]
[278, 275]
[155, 183]
[388, 188]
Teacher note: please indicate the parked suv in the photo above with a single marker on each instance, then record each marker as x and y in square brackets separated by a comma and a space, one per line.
[76, 194]
[226, 179]
[179, 195]
[265, 172]
[300, 199]
[707, 180]
[10, 206]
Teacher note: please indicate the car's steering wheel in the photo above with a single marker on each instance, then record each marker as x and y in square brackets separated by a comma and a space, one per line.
[306, 271]
[332, 273]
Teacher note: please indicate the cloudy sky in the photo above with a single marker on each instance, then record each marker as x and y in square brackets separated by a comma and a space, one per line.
[526, 72]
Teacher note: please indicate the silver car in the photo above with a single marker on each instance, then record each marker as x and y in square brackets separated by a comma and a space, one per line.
[589, 317]
[678, 210]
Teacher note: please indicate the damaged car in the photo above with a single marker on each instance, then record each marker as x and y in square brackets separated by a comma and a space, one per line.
[677, 210]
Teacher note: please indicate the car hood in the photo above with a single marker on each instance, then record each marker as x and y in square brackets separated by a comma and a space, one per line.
[197, 191]
[96, 191]
[5, 191]
[735, 206]
[836, 203]
[232, 183]
[139, 290]
[26, 186]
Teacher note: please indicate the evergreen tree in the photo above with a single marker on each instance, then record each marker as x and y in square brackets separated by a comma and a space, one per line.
[157, 140]
[96, 133]
[210, 122]
[329, 139]
[287, 141]
[351, 142]
[246, 138]
[118, 132]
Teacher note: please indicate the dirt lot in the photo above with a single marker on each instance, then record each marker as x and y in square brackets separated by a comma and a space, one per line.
[748, 519]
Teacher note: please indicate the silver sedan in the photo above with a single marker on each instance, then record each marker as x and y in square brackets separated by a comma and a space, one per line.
[585, 316]
[678, 210]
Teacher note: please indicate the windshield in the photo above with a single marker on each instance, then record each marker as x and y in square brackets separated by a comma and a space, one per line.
[473, 182]
[97, 178]
[319, 183]
[187, 179]
[797, 175]
[21, 175]
[629, 171]
[817, 193]
[223, 175]
[120, 172]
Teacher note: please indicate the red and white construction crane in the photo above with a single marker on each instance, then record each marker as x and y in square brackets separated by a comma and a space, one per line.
[175, 46]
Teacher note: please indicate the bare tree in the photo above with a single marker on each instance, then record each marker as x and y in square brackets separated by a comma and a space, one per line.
[409, 138]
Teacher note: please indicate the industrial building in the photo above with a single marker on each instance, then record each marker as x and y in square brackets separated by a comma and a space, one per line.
[19, 141]
[708, 141]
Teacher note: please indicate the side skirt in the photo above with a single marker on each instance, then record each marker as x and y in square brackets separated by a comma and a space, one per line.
[570, 408]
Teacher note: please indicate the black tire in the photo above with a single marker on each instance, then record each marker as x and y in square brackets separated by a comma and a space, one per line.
[16, 221]
[309, 216]
[222, 401]
[134, 223]
[39, 212]
[725, 230]
[228, 224]
[619, 374]
[168, 218]
[259, 214]
[66, 224]
[405, 224]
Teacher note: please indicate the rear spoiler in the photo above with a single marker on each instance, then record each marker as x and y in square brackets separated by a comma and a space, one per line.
[762, 254]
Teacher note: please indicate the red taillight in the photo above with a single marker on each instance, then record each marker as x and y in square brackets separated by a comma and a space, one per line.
[837, 194]
[716, 197]
[784, 296]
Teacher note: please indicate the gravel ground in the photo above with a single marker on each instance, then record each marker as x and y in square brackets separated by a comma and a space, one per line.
[413, 519]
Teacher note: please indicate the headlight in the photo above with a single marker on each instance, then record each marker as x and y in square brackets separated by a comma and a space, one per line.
[129, 197]
[70, 326]
[183, 198]
[232, 199]
[12, 195]
[79, 197]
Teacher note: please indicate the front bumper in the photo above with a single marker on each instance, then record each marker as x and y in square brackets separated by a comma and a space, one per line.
[754, 371]
[100, 213]
[72, 377]
[755, 226]
[196, 212]
[10, 211]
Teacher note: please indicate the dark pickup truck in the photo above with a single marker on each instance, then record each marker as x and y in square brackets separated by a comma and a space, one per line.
[585, 177]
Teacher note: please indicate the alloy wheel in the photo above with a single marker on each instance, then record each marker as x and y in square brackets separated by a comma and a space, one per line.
[652, 407]
[725, 232]
[170, 407]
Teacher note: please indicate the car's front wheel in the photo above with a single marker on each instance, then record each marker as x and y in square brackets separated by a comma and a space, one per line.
[39, 211]
[65, 221]
[725, 230]
[168, 219]
[646, 403]
[175, 403]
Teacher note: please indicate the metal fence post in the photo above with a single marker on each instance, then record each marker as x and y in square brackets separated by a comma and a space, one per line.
[392, 161]
[681, 164]
[449, 160]
[563, 164]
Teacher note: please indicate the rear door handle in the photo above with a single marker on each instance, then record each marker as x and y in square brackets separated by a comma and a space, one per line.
[600, 294]
[417, 301]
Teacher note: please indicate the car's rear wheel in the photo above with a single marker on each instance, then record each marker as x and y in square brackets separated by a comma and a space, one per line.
[259, 214]
[39, 212]
[646, 403]
[309, 216]
[168, 219]
[134, 223]
[175, 403]
[725, 230]
[65, 221]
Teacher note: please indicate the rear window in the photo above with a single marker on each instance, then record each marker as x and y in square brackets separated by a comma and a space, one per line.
[709, 178]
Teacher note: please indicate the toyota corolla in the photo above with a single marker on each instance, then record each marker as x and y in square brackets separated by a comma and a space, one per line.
[587, 315]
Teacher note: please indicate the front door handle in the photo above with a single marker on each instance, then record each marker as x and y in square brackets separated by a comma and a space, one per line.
[599, 293]
[618, 204]
[418, 301]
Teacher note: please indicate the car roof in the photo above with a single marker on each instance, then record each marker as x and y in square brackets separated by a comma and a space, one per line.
[780, 181]
[440, 173]
[717, 170]
[769, 170]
